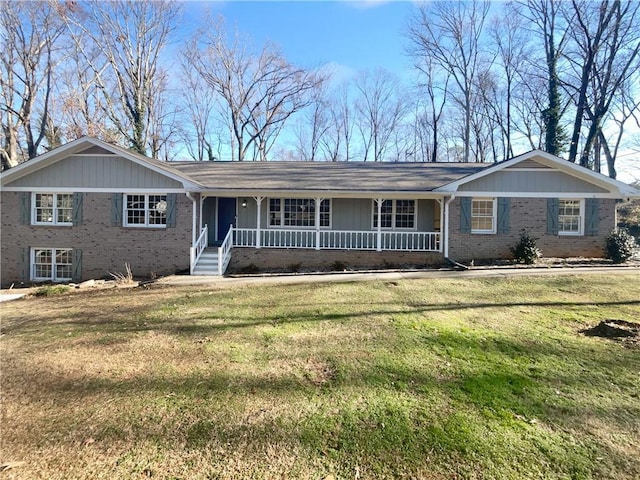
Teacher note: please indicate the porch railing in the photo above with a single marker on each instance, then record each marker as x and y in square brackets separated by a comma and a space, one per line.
[197, 248]
[224, 252]
[338, 239]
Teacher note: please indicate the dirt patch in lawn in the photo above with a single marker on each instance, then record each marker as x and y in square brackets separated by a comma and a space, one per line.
[623, 331]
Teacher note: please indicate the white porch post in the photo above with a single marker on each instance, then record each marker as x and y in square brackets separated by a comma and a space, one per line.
[194, 234]
[318, 201]
[202, 197]
[441, 239]
[445, 233]
[379, 235]
[258, 203]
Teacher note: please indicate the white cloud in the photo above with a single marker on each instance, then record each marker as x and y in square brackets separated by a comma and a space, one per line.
[338, 72]
[365, 4]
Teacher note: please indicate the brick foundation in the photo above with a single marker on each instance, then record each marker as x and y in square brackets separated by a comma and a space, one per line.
[293, 259]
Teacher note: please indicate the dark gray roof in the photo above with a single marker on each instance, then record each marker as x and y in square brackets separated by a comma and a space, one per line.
[325, 176]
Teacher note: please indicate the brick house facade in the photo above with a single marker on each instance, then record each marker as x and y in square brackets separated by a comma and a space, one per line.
[87, 208]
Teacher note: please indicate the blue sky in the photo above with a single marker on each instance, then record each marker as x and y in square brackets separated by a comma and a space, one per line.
[350, 35]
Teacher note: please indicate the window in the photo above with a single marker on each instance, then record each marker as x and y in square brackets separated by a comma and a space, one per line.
[483, 215]
[396, 214]
[570, 213]
[145, 211]
[52, 209]
[55, 264]
[298, 212]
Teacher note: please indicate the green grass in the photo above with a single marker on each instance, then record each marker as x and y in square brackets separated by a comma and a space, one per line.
[435, 379]
[49, 290]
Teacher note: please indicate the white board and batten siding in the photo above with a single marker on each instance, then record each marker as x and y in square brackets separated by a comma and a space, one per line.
[96, 170]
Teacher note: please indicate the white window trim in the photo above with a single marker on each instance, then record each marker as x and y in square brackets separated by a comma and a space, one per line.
[146, 224]
[282, 226]
[393, 227]
[580, 231]
[53, 278]
[494, 216]
[54, 207]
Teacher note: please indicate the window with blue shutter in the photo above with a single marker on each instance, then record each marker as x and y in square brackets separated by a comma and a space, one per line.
[591, 217]
[504, 205]
[116, 210]
[25, 208]
[77, 208]
[172, 200]
[552, 216]
[465, 215]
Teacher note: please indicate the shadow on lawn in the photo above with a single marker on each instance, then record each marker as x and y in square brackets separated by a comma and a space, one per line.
[379, 411]
[167, 318]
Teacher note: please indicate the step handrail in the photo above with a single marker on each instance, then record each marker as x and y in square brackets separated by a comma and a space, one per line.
[224, 251]
[197, 248]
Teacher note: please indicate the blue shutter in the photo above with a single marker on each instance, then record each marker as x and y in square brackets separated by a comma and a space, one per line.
[77, 208]
[465, 215]
[25, 208]
[76, 265]
[503, 214]
[553, 206]
[116, 210]
[25, 274]
[591, 217]
[172, 199]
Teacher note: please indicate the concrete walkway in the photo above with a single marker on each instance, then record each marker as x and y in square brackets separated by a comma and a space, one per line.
[292, 279]
[5, 297]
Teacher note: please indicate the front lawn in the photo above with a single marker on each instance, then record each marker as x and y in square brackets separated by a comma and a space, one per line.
[430, 379]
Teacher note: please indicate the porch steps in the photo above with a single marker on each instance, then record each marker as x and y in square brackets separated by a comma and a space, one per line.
[207, 263]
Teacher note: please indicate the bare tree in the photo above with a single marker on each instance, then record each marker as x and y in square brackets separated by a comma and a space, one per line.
[260, 92]
[130, 37]
[511, 42]
[203, 130]
[607, 40]
[544, 17]
[344, 115]
[623, 109]
[450, 33]
[30, 35]
[434, 81]
[80, 108]
[314, 126]
[381, 107]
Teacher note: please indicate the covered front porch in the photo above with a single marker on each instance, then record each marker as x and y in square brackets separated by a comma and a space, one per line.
[365, 224]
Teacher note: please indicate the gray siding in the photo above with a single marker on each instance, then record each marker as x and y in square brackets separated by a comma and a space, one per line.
[534, 182]
[352, 214]
[108, 171]
[346, 214]
[247, 215]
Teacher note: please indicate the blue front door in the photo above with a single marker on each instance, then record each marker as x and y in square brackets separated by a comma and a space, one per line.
[226, 216]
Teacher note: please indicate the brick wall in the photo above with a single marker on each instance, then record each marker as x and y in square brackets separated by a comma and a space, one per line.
[282, 259]
[529, 214]
[104, 248]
